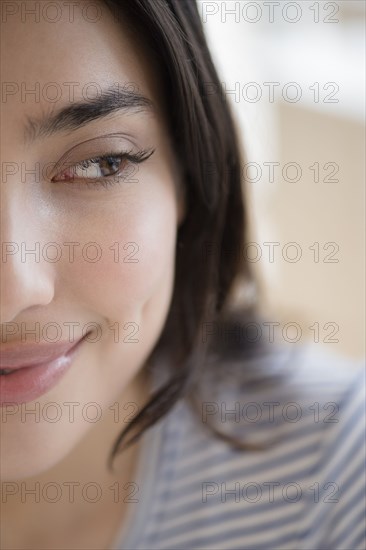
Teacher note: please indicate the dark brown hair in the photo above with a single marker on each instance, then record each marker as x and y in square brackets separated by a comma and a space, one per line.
[208, 260]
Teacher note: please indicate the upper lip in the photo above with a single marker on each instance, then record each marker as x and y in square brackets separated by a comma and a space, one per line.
[19, 355]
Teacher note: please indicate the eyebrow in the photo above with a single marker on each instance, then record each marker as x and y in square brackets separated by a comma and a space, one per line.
[78, 114]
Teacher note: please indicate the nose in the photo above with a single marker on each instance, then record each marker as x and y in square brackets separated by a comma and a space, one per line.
[26, 279]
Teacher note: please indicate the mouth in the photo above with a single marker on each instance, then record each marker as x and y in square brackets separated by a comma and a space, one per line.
[27, 371]
[5, 371]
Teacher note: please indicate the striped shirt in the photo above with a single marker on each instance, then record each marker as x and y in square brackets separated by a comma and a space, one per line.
[305, 491]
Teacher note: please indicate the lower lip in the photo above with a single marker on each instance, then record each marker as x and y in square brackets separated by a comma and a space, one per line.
[28, 383]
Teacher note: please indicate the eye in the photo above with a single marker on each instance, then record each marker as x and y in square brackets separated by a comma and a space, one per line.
[104, 169]
[95, 168]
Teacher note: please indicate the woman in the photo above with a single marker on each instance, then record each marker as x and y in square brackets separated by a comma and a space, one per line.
[140, 409]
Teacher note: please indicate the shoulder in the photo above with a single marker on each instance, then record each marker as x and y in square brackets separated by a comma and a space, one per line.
[311, 476]
[303, 489]
[336, 517]
[291, 385]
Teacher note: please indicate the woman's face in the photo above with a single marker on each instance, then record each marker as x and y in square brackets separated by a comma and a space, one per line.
[102, 231]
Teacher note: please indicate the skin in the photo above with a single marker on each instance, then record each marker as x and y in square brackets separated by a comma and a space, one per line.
[107, 293]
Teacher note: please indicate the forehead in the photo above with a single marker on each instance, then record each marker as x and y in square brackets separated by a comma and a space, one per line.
[62, 54]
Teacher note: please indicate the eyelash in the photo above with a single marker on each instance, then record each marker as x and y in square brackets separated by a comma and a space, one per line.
[108, 181]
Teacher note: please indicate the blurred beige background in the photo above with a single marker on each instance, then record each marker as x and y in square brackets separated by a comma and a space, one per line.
[312, 56]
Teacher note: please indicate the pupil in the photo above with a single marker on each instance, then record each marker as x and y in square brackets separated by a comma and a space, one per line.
[109, 165]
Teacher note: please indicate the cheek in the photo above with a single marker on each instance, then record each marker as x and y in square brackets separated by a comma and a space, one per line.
[134, 255]
[131, 296]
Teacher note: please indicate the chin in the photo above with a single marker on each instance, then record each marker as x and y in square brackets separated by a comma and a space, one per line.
[35, 448]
